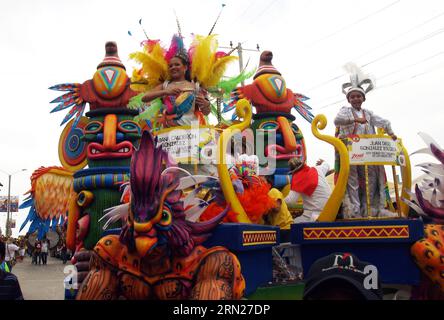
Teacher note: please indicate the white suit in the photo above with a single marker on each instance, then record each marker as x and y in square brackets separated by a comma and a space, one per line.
[355, 204]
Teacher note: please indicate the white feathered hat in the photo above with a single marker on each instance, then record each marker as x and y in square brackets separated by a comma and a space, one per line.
[358, 81]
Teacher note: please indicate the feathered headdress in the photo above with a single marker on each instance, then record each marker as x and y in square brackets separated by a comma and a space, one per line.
[207, 65]
[358, 80]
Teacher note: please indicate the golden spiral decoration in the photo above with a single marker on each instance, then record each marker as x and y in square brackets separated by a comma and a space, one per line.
[331, 208]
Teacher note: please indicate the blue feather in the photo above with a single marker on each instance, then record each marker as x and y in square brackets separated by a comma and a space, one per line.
[62, 106]
[64, 98]
[228, 107]
[65, 87]
[31, 217]
[26, 203]
[54, 223]
[34, 225]
[78, 112]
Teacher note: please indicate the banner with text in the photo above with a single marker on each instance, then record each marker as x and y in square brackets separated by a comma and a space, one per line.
[375, 150]
[185, 144]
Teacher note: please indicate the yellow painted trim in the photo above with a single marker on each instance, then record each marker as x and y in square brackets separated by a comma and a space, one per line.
[368, 229]
[243, 110]
[406, 174]
[357, 227]
[330, 210]
[259, 243]
[345, 238]
[375, 164]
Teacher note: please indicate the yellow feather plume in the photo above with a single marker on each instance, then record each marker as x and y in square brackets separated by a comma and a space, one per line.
[203, 49]
[218, 70]
[206, 67]
[138, 82]
[154, 67]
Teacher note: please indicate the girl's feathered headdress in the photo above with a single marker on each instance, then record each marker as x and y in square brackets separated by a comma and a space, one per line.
[207, 65]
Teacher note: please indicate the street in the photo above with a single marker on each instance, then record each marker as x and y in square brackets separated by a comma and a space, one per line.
[41, 282]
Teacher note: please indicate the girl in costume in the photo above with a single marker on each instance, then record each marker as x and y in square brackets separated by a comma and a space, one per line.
[184, 101]
[176, 82]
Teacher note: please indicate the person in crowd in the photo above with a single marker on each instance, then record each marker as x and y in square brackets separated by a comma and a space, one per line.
[342, 276]
[64, 252]
[11, 250]
[45, 249]
[9, 285]
[37, 252]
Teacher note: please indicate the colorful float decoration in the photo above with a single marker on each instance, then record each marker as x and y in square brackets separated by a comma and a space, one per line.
[104, 140]
[427, 201]
[158, 254]
[48, 202]
[273, 121]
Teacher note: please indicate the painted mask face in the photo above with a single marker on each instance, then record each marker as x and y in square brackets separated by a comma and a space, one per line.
[289, 139]
[111, 137]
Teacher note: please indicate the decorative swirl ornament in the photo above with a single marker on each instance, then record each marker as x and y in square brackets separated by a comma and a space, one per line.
[330, 210]
[72, 149]
[243, 111]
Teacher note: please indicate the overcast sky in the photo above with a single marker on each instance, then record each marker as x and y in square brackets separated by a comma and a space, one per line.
[47, 42]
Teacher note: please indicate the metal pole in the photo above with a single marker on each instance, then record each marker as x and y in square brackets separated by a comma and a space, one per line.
[219, 111]
[241, 61]
[9, 206]
[367, 192]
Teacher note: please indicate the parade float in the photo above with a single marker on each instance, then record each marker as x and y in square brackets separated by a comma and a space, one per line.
[155, 207]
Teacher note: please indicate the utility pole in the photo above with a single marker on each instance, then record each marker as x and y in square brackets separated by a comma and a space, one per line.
[240, 50]
[8, 229]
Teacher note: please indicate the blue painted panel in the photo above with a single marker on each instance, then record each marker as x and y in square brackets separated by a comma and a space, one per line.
[391, 256]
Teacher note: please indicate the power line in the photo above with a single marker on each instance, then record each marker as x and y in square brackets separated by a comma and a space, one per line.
[435, 68]
[411, 65]
[411, 44]
[246, 10]
[413, 77]
[270, 4]
[399, 36]
[395, 71]
[355, 23]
